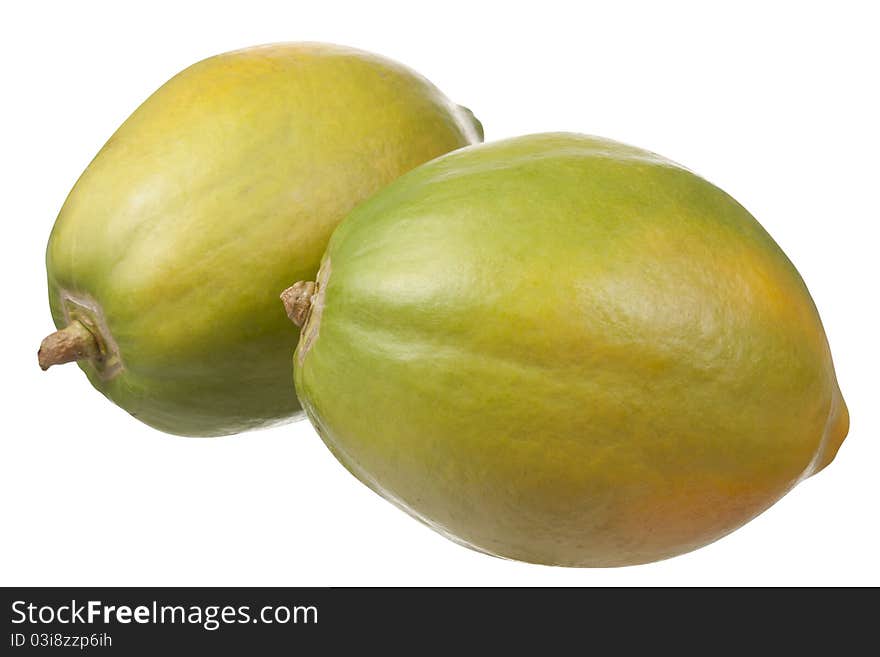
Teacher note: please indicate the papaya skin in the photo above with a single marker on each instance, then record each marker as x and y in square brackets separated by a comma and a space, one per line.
[565, 350]
[217, 191]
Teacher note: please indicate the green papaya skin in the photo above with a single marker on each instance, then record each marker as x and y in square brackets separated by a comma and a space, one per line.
[219, 190]
[564, 350]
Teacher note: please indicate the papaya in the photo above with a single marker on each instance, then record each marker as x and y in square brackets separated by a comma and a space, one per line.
[565, 350]
[226, 183]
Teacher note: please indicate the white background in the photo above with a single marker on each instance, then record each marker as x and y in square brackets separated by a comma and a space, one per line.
[775, 102]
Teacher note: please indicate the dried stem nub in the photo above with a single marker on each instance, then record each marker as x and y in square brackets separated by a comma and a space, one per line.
[297, 300]
[73, 342]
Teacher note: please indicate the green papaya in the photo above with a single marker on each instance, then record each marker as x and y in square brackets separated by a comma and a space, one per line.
[166, 259]
[565, 350]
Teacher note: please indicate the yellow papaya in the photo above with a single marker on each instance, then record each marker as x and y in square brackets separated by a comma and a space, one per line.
[226, 183]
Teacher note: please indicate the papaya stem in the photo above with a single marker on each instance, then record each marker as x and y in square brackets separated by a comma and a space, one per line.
[297, 300]
[73, 342]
